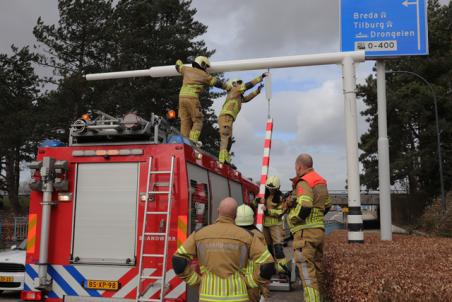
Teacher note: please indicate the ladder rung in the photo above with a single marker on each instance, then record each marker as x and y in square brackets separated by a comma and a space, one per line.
[159, 192]
[161, 184]
[154, 234]
[153, 255]
[153, 212]
[160, 172]
[151, 277]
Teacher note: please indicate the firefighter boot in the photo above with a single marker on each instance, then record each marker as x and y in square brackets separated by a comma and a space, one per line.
[223, 156]
[194, 135]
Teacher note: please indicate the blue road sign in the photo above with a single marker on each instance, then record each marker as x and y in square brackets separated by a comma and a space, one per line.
[384, 28]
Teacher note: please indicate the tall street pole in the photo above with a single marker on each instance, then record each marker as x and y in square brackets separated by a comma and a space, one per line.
[384, 177]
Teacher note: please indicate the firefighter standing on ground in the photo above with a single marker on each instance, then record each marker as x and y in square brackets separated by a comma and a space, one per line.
[273, 230]
[245, 219]
[306, 223]
[231, 109]
[223, 250]
[194, 80]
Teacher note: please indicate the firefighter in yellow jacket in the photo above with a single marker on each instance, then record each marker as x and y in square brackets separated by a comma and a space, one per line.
[194, 80]
[231, 109]
[273, 230]
[311, 202]
[245, 219]
[223, 251]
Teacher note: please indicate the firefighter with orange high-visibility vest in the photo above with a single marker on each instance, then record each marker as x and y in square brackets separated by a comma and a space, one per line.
[231, 108]
[245, 219]
[274, 209]
[308, 206]
[223, 251]
[195, 78]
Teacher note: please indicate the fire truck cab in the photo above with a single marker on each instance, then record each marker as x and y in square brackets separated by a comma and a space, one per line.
[108, 211]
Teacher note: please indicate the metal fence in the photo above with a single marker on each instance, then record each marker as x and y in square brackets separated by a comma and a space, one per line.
[15, 230]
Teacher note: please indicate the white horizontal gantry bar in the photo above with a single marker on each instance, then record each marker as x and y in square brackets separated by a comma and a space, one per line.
[239, 65]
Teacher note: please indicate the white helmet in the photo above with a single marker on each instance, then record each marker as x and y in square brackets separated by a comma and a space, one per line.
[202, 61]
[245, 216]
[273, 182]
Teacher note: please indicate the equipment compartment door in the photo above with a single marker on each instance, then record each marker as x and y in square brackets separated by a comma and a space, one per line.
[105, 213]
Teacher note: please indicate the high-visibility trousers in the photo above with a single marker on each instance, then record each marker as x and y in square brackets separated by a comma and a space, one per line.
[191, 117]
[273, 234]
[225, 124]
[308, 255]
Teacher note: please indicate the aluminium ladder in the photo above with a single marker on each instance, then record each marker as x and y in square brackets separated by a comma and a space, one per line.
[169, 193]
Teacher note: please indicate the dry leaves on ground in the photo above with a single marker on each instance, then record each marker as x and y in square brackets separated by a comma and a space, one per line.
[409, 268]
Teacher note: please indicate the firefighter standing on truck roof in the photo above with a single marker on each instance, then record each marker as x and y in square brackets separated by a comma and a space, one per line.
[273, 230]
[231, 109]
[223, 251]
[194, 80]
[245, 219]
[307, 209]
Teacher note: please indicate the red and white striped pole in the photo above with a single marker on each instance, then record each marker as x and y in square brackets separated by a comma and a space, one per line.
[266, 157]
[264, 172]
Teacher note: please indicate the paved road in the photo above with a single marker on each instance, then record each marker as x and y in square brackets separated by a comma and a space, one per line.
[296, 295]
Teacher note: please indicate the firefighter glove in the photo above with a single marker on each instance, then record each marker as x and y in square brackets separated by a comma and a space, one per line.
[327, 209]
[305, 212]
[179, 264]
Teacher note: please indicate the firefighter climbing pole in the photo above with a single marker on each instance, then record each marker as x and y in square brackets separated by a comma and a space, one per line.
[266, 156]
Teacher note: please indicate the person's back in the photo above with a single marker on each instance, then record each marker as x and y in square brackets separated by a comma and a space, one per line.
[194, 80]
[223, 247]
[223, 251]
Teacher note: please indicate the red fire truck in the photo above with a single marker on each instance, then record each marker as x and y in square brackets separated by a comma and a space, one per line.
[108, 211]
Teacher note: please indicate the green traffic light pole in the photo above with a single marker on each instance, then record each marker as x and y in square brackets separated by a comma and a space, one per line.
[438, 134]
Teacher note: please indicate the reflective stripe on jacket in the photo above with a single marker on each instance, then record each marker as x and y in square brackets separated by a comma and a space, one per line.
[274, 210]
[252, 267]
[235, 97]
[224, 251]
[194, 80]
[311, 192]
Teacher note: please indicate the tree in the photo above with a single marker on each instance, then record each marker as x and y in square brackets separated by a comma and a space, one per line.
[97, 36]
[411, 120]
[81, 43]
[19, 87]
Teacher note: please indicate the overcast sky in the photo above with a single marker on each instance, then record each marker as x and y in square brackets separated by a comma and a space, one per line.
[307, 104]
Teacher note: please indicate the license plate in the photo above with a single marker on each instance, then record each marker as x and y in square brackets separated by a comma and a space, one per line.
[6, 279]
[102, 284]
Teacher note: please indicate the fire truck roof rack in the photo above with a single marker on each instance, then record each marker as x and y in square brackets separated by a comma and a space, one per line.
[97, 128]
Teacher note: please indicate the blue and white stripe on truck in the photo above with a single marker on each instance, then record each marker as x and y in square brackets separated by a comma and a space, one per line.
[68, 280]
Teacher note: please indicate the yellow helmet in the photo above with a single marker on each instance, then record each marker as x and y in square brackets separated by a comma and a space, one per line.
[202, 61]
[232, 82]
[245, 216]
[273, 182]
